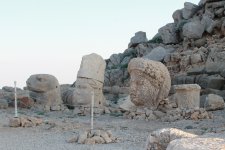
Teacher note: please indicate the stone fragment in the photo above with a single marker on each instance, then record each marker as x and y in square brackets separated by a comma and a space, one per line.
[140, 37]
[187, 95]
[160, 139]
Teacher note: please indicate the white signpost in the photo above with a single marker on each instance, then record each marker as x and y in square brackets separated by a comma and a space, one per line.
[16, 113]
[92, 110]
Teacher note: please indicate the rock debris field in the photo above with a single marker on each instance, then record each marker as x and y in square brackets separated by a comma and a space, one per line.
[58, 127]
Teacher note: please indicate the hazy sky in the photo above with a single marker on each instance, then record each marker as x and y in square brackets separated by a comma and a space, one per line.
[51, 36]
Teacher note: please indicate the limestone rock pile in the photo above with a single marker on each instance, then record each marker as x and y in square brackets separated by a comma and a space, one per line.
[25, 122]
[86, 111]
[93, 137]
[168, 116]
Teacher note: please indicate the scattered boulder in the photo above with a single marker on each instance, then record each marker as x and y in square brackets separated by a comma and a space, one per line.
[212, 102]
[177, 16]
[157, 54]
[160, 139]
[189, 10]
[169, 34]
[193, 30]
[45, 90]
[150, 82]
[140, 37]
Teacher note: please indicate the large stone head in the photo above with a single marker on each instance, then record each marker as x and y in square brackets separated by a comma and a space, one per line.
[45, 90]
[150, 82]
[42, 83]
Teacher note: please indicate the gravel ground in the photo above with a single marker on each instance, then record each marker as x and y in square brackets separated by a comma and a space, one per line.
[62, 126]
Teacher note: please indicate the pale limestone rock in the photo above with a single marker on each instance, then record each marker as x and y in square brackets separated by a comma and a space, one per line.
[89, 141]
[82, 137]
[98, 140]
[14, 122]
[105, 136]
[187, 95]
[159, 140]
[92, 67]
[150, 82]
[198, 143]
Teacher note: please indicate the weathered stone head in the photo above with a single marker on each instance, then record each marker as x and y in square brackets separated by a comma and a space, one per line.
[92, 67]
[45, 90]
[150, 82]
[42, 83]
[90, 79]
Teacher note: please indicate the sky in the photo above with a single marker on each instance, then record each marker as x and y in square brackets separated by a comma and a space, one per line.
[51, 36]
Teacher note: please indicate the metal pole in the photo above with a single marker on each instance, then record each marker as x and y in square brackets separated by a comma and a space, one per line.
[16, 113]
[92, 109]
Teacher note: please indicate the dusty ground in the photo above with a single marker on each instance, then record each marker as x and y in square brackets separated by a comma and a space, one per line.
[61, 126]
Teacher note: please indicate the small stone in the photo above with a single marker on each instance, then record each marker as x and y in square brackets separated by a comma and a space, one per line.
[98, 140]
[106, 137]
[90, 141]
[194, 116]
[159, 114]
[95, 133]
[55, 108]
[73, 139]
[109, 132]
[107, 111]
[14, 122]
[82, 137]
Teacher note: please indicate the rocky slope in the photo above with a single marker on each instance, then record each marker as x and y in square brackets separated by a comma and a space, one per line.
[192, 48]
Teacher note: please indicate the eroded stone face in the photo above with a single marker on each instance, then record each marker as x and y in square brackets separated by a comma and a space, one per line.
[142, 91]
[90, 79]
[84, 89]
[150, 82]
